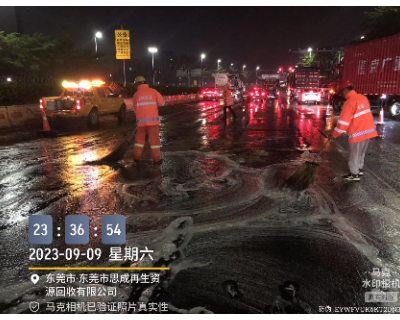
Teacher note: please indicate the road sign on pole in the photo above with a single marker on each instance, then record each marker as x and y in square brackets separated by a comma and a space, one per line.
[123, 47]
[122, 44]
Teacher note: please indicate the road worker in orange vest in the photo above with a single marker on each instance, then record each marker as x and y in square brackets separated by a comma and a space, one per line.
[357, 122]
[145, 104]
[228, 100]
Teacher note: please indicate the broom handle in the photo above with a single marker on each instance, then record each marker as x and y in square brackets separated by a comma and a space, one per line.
[132, 135]
[326, 143]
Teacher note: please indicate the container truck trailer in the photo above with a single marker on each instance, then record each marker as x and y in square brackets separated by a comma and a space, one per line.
[373, 68]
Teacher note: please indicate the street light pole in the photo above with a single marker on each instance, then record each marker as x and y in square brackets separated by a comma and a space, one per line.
[219, 60]
[153, 50]
[257, 74]
[201, 69]
[97, 35]
[123, 61]
[310, 50]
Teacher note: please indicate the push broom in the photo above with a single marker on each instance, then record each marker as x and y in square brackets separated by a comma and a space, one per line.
[304, 176]
[117, 154]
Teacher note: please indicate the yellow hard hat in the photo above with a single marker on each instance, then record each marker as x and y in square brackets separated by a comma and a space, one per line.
[140, 79]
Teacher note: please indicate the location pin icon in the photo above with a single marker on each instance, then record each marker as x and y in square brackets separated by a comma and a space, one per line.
[34, 278]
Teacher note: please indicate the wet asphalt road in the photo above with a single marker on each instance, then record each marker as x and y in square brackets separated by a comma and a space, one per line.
[226, 177]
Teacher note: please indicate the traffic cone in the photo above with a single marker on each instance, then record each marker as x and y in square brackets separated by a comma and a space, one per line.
[328, 111]
[380, 120]
[46, 126]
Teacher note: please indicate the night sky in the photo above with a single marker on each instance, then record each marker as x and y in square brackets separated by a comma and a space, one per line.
[241, 35]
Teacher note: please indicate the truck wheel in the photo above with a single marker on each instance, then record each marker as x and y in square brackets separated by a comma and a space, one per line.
[93, 118]
[337, 105]
[395, 109]
[121, 115]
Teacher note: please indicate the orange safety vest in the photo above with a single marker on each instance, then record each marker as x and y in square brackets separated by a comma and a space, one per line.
[227, 94]
[145, 104]
[356, 119]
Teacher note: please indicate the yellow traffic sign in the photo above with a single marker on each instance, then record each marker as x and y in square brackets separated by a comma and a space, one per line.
[122, 44]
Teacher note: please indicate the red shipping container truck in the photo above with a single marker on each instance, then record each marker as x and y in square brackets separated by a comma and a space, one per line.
[374, 69]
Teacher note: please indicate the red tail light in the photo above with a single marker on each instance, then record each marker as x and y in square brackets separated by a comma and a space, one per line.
[203, 92]
[41, 104]
[311, 91]
[78, 105]
[263, 93]
[252, 93]
[215, 92]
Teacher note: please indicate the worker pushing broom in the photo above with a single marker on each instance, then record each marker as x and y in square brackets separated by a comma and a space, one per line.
[357, 122]
[145, 104]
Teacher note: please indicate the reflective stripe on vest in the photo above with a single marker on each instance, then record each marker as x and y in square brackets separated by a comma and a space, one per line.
[343, 122]
[362, 133]
[361, 113]
[139, 145]
[339, 130]
[148, 119]
[155, 147]
[146, 103]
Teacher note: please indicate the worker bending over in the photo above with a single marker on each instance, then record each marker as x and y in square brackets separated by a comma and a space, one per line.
[357, 122]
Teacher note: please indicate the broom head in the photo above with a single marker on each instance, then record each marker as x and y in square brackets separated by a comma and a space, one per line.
[115, 156]
[302, 178]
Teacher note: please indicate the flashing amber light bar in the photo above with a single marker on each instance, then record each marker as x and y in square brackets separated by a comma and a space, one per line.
[97, 83]
[84, 84]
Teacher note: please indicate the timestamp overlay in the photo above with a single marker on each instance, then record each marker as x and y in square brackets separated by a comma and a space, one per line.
[105, 288]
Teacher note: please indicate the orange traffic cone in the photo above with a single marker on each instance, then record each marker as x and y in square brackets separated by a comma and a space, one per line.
[380, 120]
[46, 126]
[328, 111]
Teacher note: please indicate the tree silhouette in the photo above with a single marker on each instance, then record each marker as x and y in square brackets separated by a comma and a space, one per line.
[382, 22]
[220, 69]
[233, 69]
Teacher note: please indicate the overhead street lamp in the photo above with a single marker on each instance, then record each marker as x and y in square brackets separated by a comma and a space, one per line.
[97, 35]
[257, 74]
[362, 37]
[310, 50]
[201, 70]
[153, 50]
[219, 60]
[244, 66]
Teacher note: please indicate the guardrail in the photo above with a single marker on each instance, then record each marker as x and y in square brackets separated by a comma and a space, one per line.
[19, 116]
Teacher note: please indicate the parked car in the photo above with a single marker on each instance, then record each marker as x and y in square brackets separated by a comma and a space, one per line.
[210, 93]
[309, 96]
